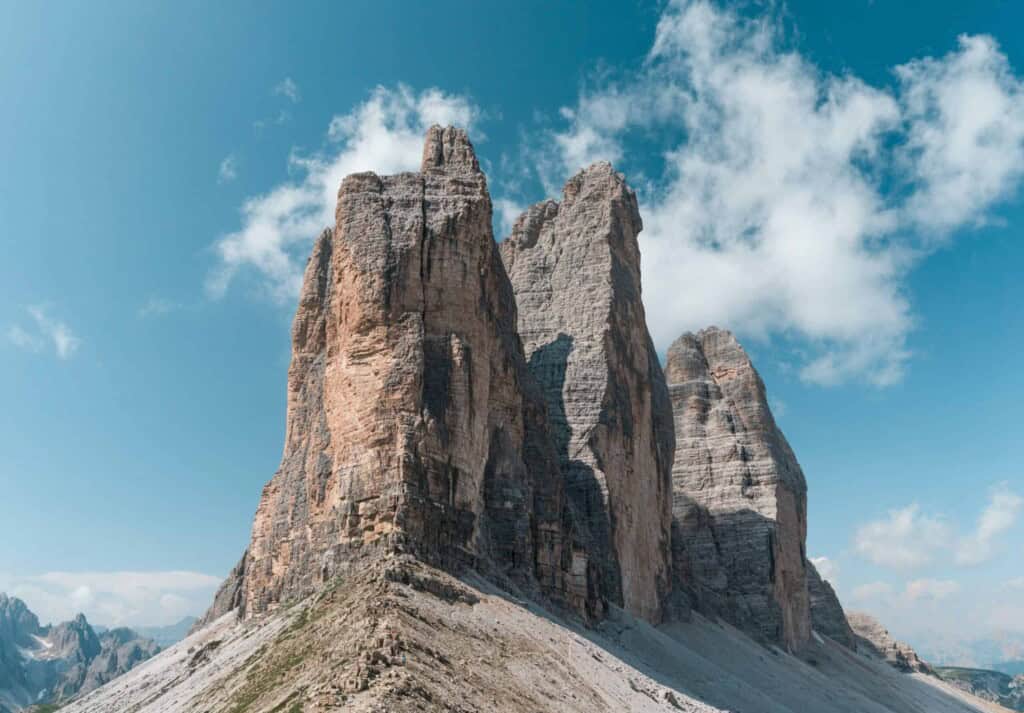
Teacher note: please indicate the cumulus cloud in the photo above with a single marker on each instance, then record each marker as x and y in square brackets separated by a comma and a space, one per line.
[114, 598]
[909, 538]
[1002, 512]
[794, 202]
[289, 89]
[44, 332]
[828, 569]
[228, 170]
[906, 538]
[383, 134]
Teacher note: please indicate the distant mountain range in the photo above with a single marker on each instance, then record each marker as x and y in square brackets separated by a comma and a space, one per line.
[166, 636]
[999, 652]
[55, 663]
[995, 686]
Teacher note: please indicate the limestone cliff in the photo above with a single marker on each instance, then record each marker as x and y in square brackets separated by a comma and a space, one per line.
[739, 497]
[413, 423]
[827, 616]
[575, 268]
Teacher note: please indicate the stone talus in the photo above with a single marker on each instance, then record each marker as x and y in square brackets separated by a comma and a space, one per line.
[413, 423]
[739, 495]
[575, 269]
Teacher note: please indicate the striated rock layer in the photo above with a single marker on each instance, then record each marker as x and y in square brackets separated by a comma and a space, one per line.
[739, 499]
[827, 616]
[873, 638]
[413, 423]
[575, 268]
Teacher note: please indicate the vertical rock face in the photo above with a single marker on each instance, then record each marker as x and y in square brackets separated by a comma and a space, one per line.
[827, 616]
[575, 268]
[739, 496]
[413, 423]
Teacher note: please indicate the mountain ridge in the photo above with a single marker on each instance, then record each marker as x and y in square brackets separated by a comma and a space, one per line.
[493, 496]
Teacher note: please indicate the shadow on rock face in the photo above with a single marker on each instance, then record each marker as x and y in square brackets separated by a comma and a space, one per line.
[549, 364]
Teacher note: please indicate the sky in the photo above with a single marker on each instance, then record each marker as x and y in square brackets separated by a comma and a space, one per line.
[838, 183]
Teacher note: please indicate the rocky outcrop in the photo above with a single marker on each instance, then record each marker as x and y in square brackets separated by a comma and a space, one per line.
[827, 615]
[994, 686]
[54, 664]
[739, 498]
[413, 423]
[575, 269]
[874, 639]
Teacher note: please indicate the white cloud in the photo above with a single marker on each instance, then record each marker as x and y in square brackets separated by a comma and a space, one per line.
[930, 589]
[776, 214]
[870, 591]
[965, 139]
[507, 211]
[114, 598]
[828, 569]
[905, 539]
[23, 339]
[288, 88]
[1016, 583]
[1001, 513]
[45, 330]
[228, 170]
[384, 134]
[909, 538]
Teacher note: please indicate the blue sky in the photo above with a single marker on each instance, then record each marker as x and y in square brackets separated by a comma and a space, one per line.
[838, 183]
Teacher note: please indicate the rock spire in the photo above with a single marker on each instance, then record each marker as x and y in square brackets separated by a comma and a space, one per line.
[575, 268]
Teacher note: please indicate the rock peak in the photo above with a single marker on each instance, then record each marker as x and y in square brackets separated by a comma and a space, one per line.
[448, 149]
[575, 268]
[739, 495]
[414, 425]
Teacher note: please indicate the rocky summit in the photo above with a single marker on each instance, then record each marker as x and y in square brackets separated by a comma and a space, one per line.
[575, 269]
[493, 498]
[55, 664]
[413, 423]
[739, 498]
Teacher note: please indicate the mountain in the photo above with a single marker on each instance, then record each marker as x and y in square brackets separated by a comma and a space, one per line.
[493, 497]
[995, 686]
[1000, 651]
[169, 635]
[575, 271]
[54, 664]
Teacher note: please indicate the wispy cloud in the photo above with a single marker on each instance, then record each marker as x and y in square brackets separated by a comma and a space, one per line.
[114, 598]
[1001, 514]
[44, 331]
[796, 201]
[870, 591]
[828, 569]
[228, 170]
[289, 89]
[905, 538]
[930, 589]
[910, 538]
[157, 307]
[384, 134]
[279, 119]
